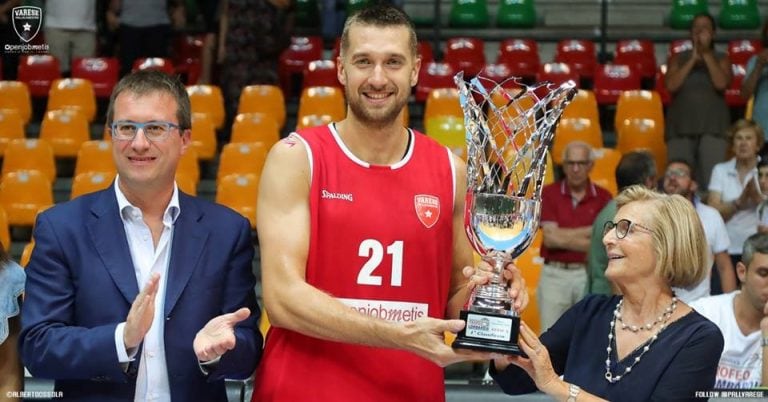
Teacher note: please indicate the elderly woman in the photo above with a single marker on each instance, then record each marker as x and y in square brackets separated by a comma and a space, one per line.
[645, 345]
[733, 189]
[11, 287]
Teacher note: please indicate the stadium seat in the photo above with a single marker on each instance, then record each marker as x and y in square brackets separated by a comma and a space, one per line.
[255, 127]
[242, 159]
[612, 79]
[30, 154]
[203, 136]
[11, 128]
[683, 12]
[239, 192]
[739, 14]
[496, 72]
[26, 254]
[604, 170]
[521, 56]
[15, 95]
[321, 73]
[638, 53]
[636, 134]
[530, 264]
[95, 156]
[38, 72]
[448, 131]
[678, 46]
[426, 52]
[103, 72]
[66, 130]
[432, 76]
[188, 55]
[516, 14]
[73, 93]
[90, 182]
[469, 14]
[442, 102]
[313, 120]
[641, 104]
[741, 50]
[322, 100]
[267, 99]
[575, 129]
[22, 194]
[465, 54]
[5, 232]
[293, 60]
[733, 92]
[186, 183]
[154, 63]
[583, 104]
[579, 54]
[189, 165]
[207, 99]
[660, 86]
[557, 73]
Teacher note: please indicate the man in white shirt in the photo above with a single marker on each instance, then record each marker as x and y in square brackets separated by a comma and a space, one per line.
[86, 325]
[678, 179]
[742, 316]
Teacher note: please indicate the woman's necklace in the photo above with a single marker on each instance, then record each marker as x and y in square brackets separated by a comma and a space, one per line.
[646, 327]
[609, 376]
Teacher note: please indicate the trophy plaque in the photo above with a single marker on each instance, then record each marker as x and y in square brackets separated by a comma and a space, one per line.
[509, 127]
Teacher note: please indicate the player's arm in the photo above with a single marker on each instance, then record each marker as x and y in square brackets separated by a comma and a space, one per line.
[283, 224]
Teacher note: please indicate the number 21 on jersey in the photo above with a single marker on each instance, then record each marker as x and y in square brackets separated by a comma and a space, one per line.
[374, 251]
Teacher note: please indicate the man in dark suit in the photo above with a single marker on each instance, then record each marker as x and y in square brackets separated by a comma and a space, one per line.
[86, 324]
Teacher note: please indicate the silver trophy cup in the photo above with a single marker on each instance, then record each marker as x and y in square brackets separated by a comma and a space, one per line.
[509, 127]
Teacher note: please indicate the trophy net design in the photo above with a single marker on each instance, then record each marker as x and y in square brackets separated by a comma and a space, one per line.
[509, 127]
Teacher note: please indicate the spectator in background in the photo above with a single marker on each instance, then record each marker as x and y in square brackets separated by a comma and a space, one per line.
[210, 10]
[252, 35]
[10, 60]
[636, 167]
[568, 209]
[742, 317]
[698, 116]
[70, 30]
[678, 179]
[144, 27]
[11, 288]
[762, 209]
[756, 82]
[733, 189]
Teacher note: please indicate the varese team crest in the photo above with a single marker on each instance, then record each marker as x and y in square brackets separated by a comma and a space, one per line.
[27, 21]
[427, 209]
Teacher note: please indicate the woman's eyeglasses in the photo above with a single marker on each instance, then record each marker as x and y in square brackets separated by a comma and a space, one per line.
[623, 227]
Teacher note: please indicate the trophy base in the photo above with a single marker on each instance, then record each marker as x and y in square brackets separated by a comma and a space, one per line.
[489, 332]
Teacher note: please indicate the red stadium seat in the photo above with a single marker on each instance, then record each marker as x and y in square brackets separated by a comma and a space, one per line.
[496, 72]
[740, 51]
[103, 72]
[154, 63]
[612, 79]
[465, 54]
[733, 92]
[321, 73]
[579, 54]
[39, 72]
[639, 53]
[678, 46]
[557, 73]
[293, 60]
[521, 56]
[432, 76]
[188, 55]
[426, 52]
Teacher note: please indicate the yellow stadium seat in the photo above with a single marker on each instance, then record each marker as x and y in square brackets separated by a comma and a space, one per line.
[442, 102]
[203, 136]
[186, 183]
[66, 130]
[639, 103]
[15, 95]
[30, 154]
[26, 254]
[575, 129]
[73, 93]
[313, 120]
[637, 134]
[255, 127]
[5, 231]
[22, 194]
[449, 131]
[583, 104]
[95, 156]
[322, 100]
[11, 127]
[189, 165]
[208, 99]
[267, 99]
[246, 158]
[239, 192]
[89, 182]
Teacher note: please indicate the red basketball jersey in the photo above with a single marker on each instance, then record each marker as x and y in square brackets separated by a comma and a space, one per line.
[380, 242]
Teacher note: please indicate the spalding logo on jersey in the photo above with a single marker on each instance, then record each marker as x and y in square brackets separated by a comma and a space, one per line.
[427, 209]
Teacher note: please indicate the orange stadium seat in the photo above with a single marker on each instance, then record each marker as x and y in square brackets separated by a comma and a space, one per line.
[442, 102]
[322, 100]
[267, 99]
[30, 154]
[434, 75]
[15, 95]
[583, 104]
[239, 192]
[639, 103]
[207, 99]
[575, 129]
[22, 194]
[103, 72]
[95, 156]
[313, 120]
[90, 182]
[449, 131]
[26, 254]
[11, 127]
[189, 165]
[38, 72]
[186, 183]
[66, 130]
[73, 93]
[242, 159]
[5, 231]
[604, 170]
[636, 134]
[465, 54]
[255, 127]
[203, 136]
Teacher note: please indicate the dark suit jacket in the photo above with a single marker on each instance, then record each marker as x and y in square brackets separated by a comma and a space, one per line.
[81, 283]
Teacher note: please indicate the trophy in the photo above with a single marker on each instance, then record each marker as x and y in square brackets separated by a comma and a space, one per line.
[509, 127]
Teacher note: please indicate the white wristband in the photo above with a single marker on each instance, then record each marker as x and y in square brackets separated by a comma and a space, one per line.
[573, 392]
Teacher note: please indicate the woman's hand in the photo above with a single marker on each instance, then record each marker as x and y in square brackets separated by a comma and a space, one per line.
[538, 364]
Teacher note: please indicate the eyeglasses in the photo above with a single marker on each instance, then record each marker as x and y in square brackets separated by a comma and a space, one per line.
[623, 227]
[676, 173]
[125, 130]
[581, 164]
